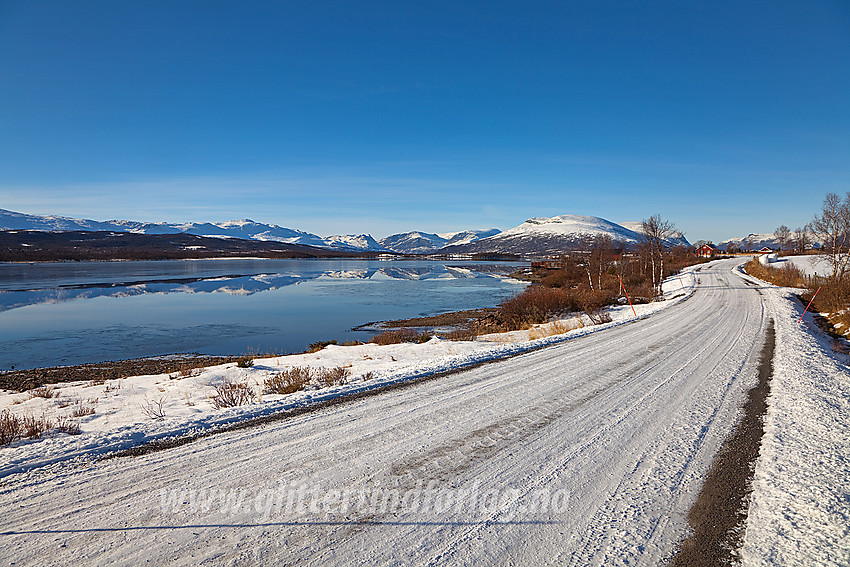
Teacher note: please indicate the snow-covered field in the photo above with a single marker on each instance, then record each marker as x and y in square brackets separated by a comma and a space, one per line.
[125, 409]
[800, 509]
[810, 265]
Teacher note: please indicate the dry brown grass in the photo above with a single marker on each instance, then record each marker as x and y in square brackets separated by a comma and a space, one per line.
[465, 333]
[833, 299]
[14, 427]
[554, 328]
[397, 336]
[46, 392]
[786, 276]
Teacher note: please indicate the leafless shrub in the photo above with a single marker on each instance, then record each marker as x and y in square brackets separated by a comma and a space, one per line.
[337, 376]
[245, 362]
[535, 305]
[64, 425]
[288, 381]
[82, 408]
[34, 427]
[465, 333]
[46, 392]
[319, 345]
[232, 394]
[153, 409]
[367, 376]
[186, 371]
[397, 336]
[11, 427]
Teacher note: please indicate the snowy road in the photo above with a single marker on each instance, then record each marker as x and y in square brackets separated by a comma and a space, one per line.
[590, 452]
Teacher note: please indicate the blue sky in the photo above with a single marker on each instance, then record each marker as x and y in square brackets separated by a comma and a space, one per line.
[364, 116]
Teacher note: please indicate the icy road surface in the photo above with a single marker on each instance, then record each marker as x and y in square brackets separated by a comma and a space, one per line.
[589, 452]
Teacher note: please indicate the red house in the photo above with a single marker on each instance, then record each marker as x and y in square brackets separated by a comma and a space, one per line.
[707, 251]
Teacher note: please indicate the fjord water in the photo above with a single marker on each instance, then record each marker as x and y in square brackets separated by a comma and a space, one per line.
[76, 312]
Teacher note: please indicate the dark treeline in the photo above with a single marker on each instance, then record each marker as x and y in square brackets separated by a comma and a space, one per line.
[37, 246]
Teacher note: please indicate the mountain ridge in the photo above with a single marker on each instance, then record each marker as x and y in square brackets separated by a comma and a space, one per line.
[537, 235]
[245, 229]
[554, 235]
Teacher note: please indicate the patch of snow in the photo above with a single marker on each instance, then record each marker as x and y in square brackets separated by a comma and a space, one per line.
[811, 265]
[800, 508]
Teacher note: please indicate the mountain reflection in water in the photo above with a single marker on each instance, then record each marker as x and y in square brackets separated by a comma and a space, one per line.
[236, 284]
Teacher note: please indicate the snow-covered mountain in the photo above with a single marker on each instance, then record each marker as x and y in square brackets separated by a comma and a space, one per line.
[413, 242]
[754, 241]
[406, 243]
[467, 236]
[246, 229]
[678, 239]
[354, 242]
[426, 242]
[541, 235]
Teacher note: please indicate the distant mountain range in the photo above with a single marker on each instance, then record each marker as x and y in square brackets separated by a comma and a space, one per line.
[427, 243]
[753, 241]
[536, 236]
[404, 243]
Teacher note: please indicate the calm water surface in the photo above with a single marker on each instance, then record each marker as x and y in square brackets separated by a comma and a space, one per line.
[70, 313]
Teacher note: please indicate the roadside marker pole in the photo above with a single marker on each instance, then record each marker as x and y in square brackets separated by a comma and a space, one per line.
[807, 306]
[627, 295]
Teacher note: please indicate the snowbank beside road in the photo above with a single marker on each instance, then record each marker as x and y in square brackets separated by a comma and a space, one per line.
[122, 408]
[800, 508]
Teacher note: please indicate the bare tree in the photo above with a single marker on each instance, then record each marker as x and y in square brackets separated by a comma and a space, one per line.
[783, 235]
[600, 256]
[657, 232]
[801, 239]
[832, 228]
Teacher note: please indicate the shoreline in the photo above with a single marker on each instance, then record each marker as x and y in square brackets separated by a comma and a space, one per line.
[29, 378]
